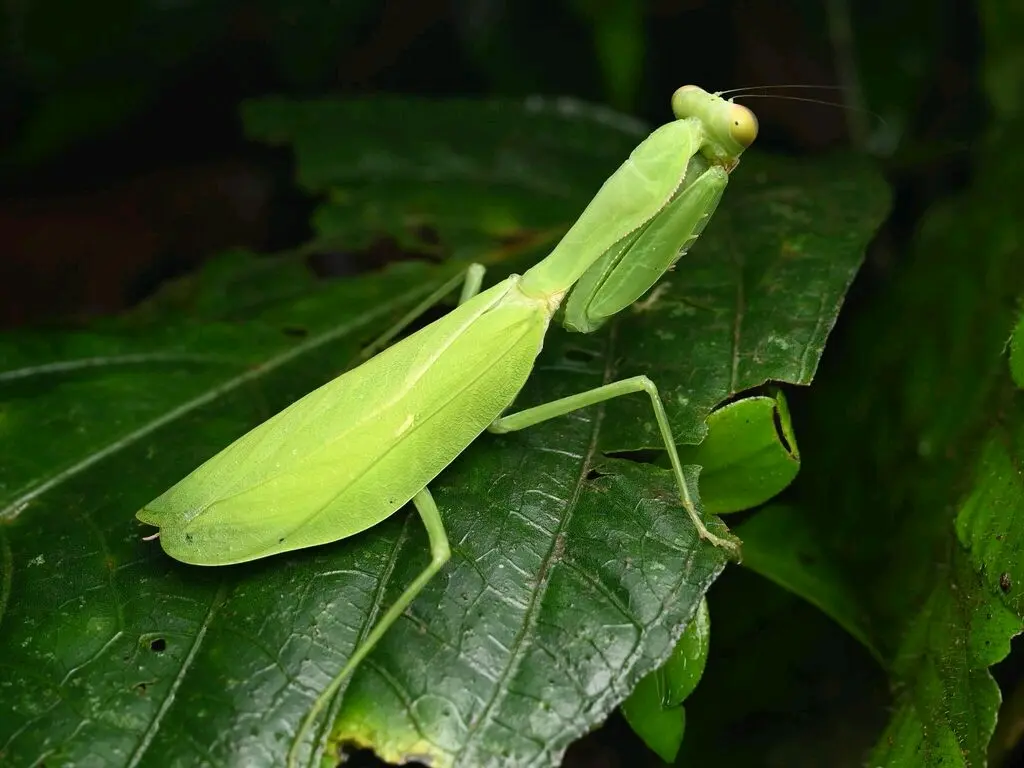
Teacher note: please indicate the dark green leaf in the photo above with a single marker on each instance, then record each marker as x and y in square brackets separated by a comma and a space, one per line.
[911, 487]
[948, 713]
[749, 455]
[572, 574]
[779, 545]
[654, 710]
[757, 300]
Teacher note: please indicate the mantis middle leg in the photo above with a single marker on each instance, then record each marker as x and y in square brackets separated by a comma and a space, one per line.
[562, 406]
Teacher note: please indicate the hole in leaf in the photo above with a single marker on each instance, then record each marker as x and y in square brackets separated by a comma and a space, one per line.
[765, 390]
[158, 646]
[643, 456]
[351, 754]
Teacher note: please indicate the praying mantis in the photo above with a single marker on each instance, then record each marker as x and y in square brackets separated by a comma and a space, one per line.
[354, 451]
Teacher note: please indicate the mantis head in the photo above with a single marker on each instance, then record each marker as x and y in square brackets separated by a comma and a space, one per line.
[729, 127]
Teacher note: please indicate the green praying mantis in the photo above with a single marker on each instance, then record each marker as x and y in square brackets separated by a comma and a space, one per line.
[351, 453]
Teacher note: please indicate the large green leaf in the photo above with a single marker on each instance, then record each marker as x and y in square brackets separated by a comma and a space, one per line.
[572, 573]
[912, 504]
[947, 714]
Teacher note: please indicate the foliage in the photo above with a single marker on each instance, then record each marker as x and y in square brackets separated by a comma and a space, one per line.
[871, 620]
[573, 572]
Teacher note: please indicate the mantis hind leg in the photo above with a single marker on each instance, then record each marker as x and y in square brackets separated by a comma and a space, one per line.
[527, 418]
[440, 552]
[471, 281]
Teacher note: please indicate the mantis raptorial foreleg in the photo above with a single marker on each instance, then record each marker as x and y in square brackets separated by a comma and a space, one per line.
[562, 406]
[618, 279]
[471, 281]
[440, 553]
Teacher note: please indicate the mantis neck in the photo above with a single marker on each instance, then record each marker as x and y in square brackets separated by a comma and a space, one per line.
[629, 198]
[560, 270]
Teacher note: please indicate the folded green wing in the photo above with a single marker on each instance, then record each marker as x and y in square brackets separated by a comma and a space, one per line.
[350, 453]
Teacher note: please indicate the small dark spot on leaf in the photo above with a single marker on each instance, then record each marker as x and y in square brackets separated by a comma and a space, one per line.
[188, 537]
[141, 689]
[158, 646]
[295, 331]
[593, 474]
[1005, 583]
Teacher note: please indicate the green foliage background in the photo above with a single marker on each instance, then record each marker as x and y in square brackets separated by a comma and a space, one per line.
[877, 593]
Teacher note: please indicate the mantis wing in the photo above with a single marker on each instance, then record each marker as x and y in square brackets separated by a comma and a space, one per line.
[350, 453]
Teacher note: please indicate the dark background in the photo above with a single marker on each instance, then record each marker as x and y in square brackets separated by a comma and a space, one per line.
[124, 161]
[124, 165]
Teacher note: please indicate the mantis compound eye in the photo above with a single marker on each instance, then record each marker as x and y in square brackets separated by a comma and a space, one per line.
[742, 125]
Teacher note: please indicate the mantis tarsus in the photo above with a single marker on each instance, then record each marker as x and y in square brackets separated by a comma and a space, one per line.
[351, 453]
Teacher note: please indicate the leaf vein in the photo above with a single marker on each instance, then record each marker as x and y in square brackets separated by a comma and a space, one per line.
[15, 507]
[165, 705]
